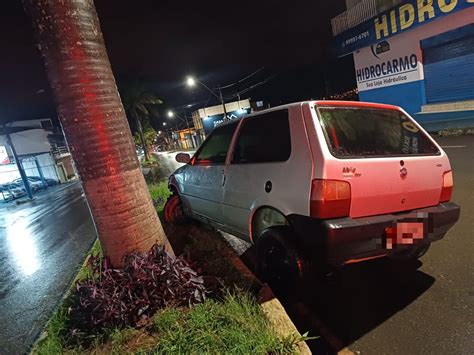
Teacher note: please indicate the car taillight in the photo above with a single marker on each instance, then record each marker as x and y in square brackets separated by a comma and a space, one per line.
[330, 199]
[447, 189]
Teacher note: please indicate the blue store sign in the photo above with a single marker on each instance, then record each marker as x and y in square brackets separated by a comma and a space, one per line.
[210, 122]
[398, 19]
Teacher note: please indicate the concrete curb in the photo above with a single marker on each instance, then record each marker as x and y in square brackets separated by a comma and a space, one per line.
[44, 332]
[271, 306]
[277, 316]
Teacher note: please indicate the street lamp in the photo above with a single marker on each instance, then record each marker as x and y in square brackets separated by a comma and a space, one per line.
[171, 114]
[190, 81]
[164, 123]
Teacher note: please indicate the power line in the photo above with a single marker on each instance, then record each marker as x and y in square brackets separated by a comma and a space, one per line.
[243, 79]
[253, 86]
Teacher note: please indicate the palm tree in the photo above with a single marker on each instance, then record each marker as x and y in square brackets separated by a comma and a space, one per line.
[135, 100]
[94, 122]
[149, 135]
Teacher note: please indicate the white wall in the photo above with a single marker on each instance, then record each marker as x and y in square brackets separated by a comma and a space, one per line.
[10, 172]
[218, 109]
[47, 166]
[33, 141]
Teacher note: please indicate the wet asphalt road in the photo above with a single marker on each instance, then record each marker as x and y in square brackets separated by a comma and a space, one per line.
[42, 244]
[167, 161]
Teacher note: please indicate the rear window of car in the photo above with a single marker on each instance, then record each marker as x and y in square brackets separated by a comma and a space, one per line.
[353, 132]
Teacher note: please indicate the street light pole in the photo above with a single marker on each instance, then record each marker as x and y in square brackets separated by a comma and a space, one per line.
[24, 178]
[186, 119]
[191, 82]
[171, 114]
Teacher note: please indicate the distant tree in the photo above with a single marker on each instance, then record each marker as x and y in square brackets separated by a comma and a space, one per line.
[136, 100]
[149, 135]
[96, 128]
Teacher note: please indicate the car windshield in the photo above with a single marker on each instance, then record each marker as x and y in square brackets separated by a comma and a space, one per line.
[353, 132]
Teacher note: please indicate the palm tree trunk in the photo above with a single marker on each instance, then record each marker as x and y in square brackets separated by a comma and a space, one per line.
[89, 107]
[142, 139]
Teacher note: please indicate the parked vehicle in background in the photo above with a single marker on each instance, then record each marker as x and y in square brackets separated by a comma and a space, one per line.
[11, 191]
[321, 182]
[35, 184]
[49, 182]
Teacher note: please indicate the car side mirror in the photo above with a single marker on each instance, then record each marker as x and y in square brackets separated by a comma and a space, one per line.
[184, 158]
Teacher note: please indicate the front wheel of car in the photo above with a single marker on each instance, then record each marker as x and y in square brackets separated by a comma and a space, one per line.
[278, 262]
[173, 210]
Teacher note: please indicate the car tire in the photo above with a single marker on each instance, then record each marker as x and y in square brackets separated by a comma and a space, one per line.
[173, 211]
[278, 262]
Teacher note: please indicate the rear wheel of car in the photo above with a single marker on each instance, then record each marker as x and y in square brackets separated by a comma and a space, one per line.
[173, 210]
[278, 262]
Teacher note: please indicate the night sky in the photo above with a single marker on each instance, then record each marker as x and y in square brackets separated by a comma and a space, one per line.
[158, 43]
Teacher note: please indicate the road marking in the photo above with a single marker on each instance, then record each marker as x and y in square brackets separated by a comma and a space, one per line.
[453, 146]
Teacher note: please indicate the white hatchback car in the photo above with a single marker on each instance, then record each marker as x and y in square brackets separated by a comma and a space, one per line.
[330, 182]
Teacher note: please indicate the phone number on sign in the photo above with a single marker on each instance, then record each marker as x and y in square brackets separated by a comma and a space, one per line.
[357, 38]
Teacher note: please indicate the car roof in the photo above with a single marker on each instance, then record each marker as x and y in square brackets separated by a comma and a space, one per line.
[328, 103]
[334, 103]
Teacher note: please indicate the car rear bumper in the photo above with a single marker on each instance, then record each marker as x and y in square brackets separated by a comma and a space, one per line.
[343, 240]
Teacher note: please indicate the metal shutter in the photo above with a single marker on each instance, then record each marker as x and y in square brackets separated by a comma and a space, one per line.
[449, 71]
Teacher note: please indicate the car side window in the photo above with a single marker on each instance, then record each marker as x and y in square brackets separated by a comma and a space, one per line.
[264, 138]
[214, 149]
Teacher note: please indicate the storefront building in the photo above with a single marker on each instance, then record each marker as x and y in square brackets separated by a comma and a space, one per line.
[417, 54]
[39, 153]
[206, 119]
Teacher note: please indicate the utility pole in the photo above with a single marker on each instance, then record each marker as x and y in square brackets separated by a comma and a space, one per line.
[18, 164]
[40, 171]
[186, 119]
[189, 131]
[222, 102]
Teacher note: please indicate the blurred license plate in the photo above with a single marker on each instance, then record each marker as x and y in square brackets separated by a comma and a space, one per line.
[403, 233]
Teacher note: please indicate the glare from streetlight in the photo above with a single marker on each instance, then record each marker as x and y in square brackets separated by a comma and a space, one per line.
[159, 132]
[170, 113]
[190, 81]
[164, 123]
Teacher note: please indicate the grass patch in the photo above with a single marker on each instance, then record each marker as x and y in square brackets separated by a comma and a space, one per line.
[159, 194]
[53, 341]
[85, 272]
[150, 162]
[234, 326]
